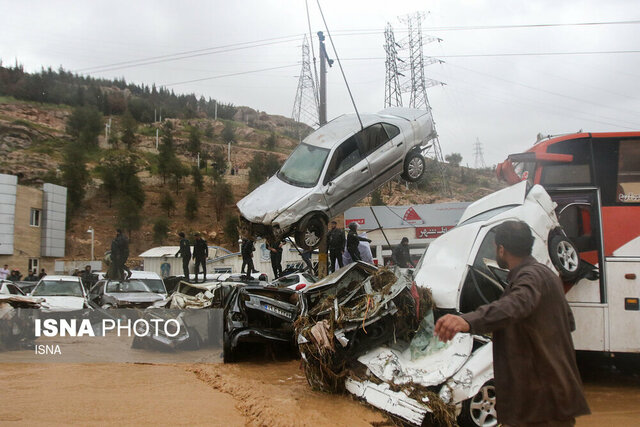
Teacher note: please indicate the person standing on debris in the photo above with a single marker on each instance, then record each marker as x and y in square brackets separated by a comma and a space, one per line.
[200, 255]
[185, 253]
[119, 256]
[401, 256]
[536, 377]
[42, 273]
[15, 276]
[335, 243]
[4, 272]
[246, 250]
[353, 240]
[87, 277]
[32, 277]
[275, 252]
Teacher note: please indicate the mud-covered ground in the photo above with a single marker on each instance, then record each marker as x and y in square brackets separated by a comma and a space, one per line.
[256, 392]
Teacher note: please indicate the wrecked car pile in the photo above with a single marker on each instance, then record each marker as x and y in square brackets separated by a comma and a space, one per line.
[16, 330]
[357, 309]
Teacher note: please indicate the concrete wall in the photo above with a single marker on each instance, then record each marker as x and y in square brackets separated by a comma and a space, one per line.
[8, 188]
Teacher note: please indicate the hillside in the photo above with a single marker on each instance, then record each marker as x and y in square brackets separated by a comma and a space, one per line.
[32, 138]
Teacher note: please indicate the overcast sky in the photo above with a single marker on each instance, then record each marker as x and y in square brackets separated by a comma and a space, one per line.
[493, 92]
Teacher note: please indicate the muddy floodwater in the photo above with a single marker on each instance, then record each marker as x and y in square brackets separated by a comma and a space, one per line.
[259, 391]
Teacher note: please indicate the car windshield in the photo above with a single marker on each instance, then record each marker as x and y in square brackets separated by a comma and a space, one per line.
[58, 288]
[128, 286]
[155, 285]
[304, 166]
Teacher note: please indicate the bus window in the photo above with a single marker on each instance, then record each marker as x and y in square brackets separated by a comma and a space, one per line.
[628, 182]
[576, 173]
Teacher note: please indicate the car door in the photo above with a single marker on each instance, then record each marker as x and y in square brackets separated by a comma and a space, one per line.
[348, 177]
[383, 145]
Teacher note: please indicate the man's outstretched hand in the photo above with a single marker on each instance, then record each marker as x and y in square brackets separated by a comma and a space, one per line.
[449, 325]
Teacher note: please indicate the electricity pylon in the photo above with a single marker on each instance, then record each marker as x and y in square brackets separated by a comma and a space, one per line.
[479, 156]
[305, 106]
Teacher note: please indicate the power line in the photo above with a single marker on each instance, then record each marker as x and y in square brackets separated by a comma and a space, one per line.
[483, 55]
[229, 75]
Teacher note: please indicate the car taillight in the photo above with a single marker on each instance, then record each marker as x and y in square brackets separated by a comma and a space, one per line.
[300, 286]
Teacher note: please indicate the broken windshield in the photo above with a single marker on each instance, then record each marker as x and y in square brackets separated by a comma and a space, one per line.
[304, 166]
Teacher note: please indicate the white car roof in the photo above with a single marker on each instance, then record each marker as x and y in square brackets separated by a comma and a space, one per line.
[338, 129]
[54, 277]
[144, 275]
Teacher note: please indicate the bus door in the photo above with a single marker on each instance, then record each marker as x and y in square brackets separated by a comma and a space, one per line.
[578, 212]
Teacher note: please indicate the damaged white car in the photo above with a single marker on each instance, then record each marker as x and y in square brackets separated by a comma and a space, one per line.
[332, 169]
[415, 376]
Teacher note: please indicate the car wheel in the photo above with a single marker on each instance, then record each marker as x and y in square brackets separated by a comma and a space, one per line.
[564, 257]
[480, 410]
[310, 232]
[414, 166]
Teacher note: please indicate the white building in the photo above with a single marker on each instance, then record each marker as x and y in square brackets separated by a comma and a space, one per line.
[220, 259]
[421, 224]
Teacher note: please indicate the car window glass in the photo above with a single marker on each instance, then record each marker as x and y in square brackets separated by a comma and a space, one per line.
[480, 286]
[345, 156]
[392, 131]
[304, 165]
[373, 138]
[13, 290]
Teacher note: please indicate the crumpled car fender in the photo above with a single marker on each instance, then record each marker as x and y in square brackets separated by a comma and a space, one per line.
[473, 374]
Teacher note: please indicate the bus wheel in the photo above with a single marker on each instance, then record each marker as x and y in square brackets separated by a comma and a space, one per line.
[564, 256]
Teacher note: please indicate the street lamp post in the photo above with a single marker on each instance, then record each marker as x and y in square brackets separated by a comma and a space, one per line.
[92, 231]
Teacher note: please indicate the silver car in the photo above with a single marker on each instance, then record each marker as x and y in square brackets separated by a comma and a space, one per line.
[332, 169]
[123, 294]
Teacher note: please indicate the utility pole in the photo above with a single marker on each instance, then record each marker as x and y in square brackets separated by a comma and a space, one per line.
[215, 110]
[157, 133]
[322, 113]
[324, 59]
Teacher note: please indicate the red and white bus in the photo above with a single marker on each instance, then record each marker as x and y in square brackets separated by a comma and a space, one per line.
[595, 180]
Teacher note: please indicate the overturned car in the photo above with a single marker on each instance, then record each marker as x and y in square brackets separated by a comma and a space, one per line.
[407, 371]
[333, 168]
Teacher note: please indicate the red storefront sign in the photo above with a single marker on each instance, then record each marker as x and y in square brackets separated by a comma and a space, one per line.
[432, 232]
[359, 221]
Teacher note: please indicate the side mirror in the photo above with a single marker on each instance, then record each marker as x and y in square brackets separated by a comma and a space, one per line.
[331, 187]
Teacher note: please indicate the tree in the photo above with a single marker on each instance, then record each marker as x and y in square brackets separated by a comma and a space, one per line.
[160, 230]
[167, 151]
[454, 159]
[222, 197]
[198, 181]
[178, 171]
[218, 162]
[270, 142]
[262, 167]
[191, 207]
[119, 173]
[74, 175]
[208, 131]
[228, 133]
[376, 198]
[84, 125]
[194, 140]
[167, 203]
[129, 128]
[128, 217]
[231, 224]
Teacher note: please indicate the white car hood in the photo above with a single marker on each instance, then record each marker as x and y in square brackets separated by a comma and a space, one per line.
[64, 303]
[445, 263]
[266, 202]
[514, 195]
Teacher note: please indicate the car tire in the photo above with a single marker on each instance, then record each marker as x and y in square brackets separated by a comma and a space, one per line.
[480, 409]
[565, 257]
[414, 166]
[311, 230]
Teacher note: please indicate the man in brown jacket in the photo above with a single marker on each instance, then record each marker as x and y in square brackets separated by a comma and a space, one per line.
[536, 376]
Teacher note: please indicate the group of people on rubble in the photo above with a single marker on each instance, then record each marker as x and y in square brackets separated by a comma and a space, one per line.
[15, 275]
[200, 254]
[337, 243]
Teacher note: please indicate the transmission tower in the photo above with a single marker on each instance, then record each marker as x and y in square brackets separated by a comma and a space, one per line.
[392, 93]
[409, 68]
[479, 156]
[305, 106]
